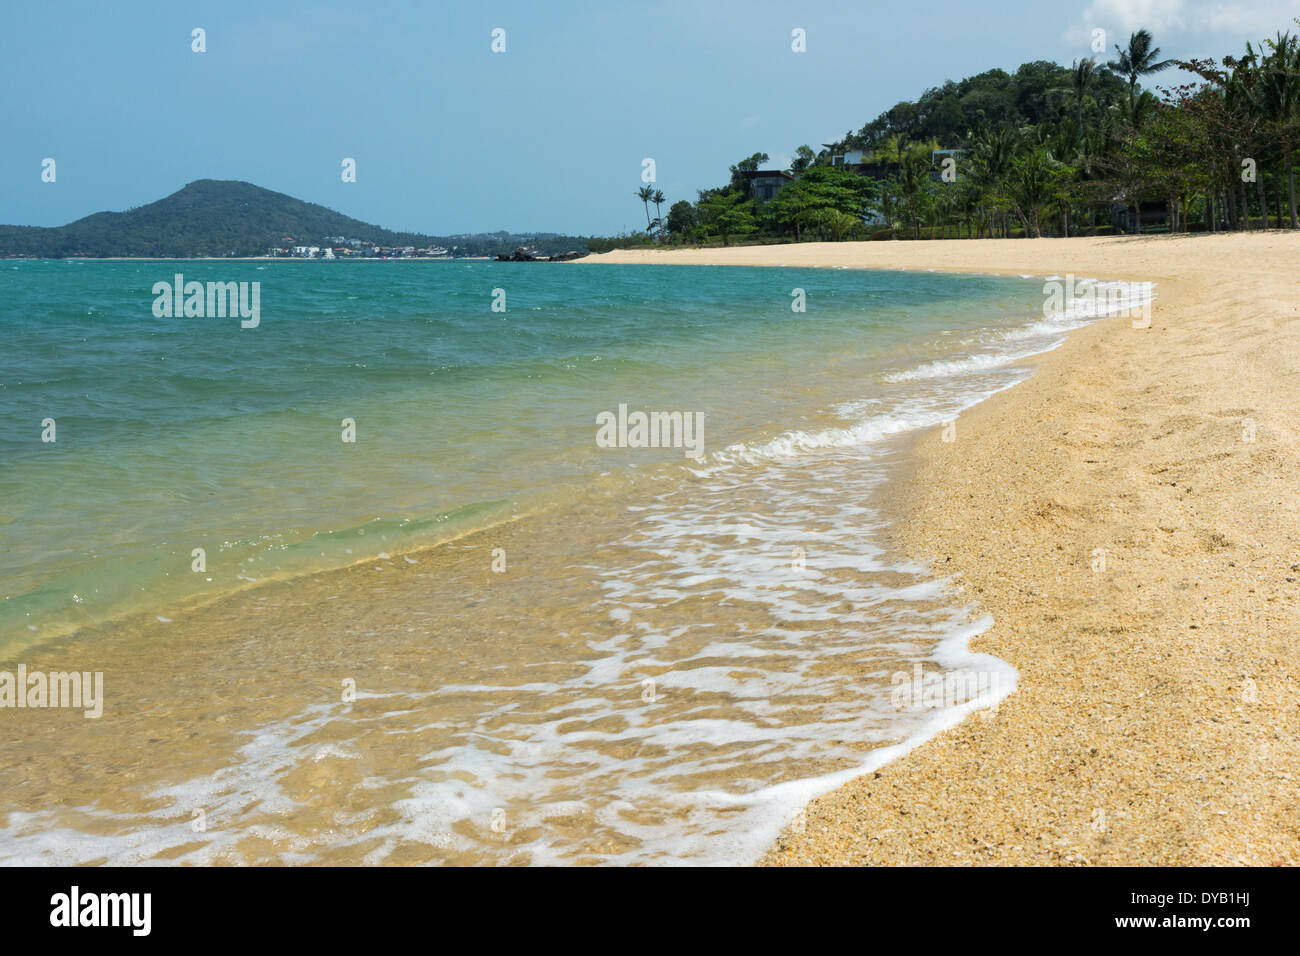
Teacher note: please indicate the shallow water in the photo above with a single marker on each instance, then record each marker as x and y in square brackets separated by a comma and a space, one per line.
[608, 655]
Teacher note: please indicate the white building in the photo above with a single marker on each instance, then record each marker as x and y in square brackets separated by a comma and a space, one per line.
[853, 157]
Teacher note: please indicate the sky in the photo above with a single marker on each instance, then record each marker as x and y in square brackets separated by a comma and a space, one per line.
[449, 136]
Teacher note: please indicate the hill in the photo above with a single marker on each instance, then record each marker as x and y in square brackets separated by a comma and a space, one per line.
[212, 217]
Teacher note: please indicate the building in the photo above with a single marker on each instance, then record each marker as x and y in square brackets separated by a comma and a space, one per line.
[766, 183]
[855, 160]
[1152, 214]
[937, 156]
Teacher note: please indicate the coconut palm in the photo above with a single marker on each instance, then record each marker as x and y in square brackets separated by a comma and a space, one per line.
[658, 198]
[1242, 91]
[993, 151]
[1135, 113]
[1081, 77]
[1138, 60]
[1032, 185]
[913, 178]
[646, 194]
[1280, 75]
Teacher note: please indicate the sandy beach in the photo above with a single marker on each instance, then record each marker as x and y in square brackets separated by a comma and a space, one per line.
[1128, 517]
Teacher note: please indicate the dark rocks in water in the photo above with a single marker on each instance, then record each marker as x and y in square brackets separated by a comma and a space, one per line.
[523, 255]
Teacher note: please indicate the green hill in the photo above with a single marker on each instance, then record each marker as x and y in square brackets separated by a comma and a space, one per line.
[224, 218]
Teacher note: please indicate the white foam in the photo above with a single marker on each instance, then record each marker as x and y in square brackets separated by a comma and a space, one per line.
[724, 538]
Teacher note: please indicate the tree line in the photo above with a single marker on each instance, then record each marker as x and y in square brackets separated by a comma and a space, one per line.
[1048, 150]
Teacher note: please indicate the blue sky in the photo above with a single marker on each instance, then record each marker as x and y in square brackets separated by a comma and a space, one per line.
[449, 137]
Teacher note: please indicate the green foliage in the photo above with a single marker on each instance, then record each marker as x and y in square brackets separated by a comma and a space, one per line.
[728, 214]
[683, 219]
[739, 181]
[803, 158]
[1139, 59]
[953, 111]
[820, 191]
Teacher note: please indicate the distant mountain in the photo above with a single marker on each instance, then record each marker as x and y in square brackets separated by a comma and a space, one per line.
[213, 217]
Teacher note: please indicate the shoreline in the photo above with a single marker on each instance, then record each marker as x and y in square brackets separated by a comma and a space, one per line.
[249, 259]
[1129, 736]
[1132, 548]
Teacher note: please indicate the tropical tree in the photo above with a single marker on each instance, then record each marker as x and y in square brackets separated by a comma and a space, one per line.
[913, 182]
[1244, 108]
[992, 153]
[682, 219]
[821, 188]
[803, 158]
[1082, 74]
[1138, 60]
[646, 194]
[833, 224]
[750, 164]
[1280, 76]
[1032, 187]
[729, 213]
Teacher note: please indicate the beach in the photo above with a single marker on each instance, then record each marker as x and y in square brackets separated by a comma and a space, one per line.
[401, 582]
[1127, 516]
[397, 578]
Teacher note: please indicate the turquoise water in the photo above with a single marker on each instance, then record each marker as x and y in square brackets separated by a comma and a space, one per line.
[681, 653]
[175, 434]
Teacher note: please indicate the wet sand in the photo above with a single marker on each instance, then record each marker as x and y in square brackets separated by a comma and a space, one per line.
[1128, 516]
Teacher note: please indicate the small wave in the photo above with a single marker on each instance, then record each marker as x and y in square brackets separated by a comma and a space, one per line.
[979, 362]
[1083, 302]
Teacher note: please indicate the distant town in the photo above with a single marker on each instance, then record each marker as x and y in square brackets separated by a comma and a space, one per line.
[341, 247]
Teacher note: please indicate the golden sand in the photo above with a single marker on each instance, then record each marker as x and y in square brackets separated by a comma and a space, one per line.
[1129, 518]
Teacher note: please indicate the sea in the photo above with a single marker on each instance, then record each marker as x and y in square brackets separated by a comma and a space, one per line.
[464, 562]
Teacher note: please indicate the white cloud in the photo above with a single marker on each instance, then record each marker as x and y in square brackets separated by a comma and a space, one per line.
[1225, 18]
[1130, 15]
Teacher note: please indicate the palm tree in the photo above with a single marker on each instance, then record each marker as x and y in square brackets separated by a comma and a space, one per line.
[1281, 101]
[1032, 187]
[1084, 72]
[1242, 90]
[646, 194]
[891, 149]
[1137, 112]
[658, 198]
[993, 152]
[914, 177]
[1138, 60]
